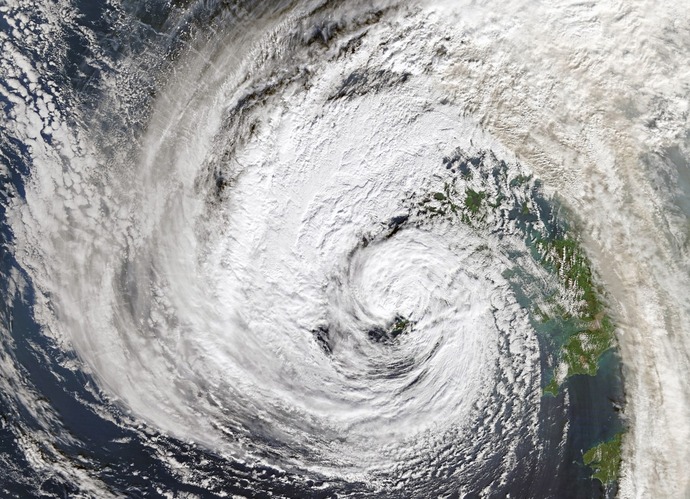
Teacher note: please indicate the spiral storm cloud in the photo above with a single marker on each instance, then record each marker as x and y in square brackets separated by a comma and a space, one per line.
[344, 249]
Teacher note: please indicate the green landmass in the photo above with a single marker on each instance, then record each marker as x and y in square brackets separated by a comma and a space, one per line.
[605, 459]
[520, 180]
[552, 387]
[595, 331]
[399, 326]
[473, 200]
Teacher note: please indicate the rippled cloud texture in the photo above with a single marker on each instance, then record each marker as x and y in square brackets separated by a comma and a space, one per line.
[293, 248]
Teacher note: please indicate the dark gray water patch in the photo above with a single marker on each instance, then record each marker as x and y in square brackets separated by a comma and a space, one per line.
[322, 336]
[365, 81]
[322, 31]
[326, 22]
